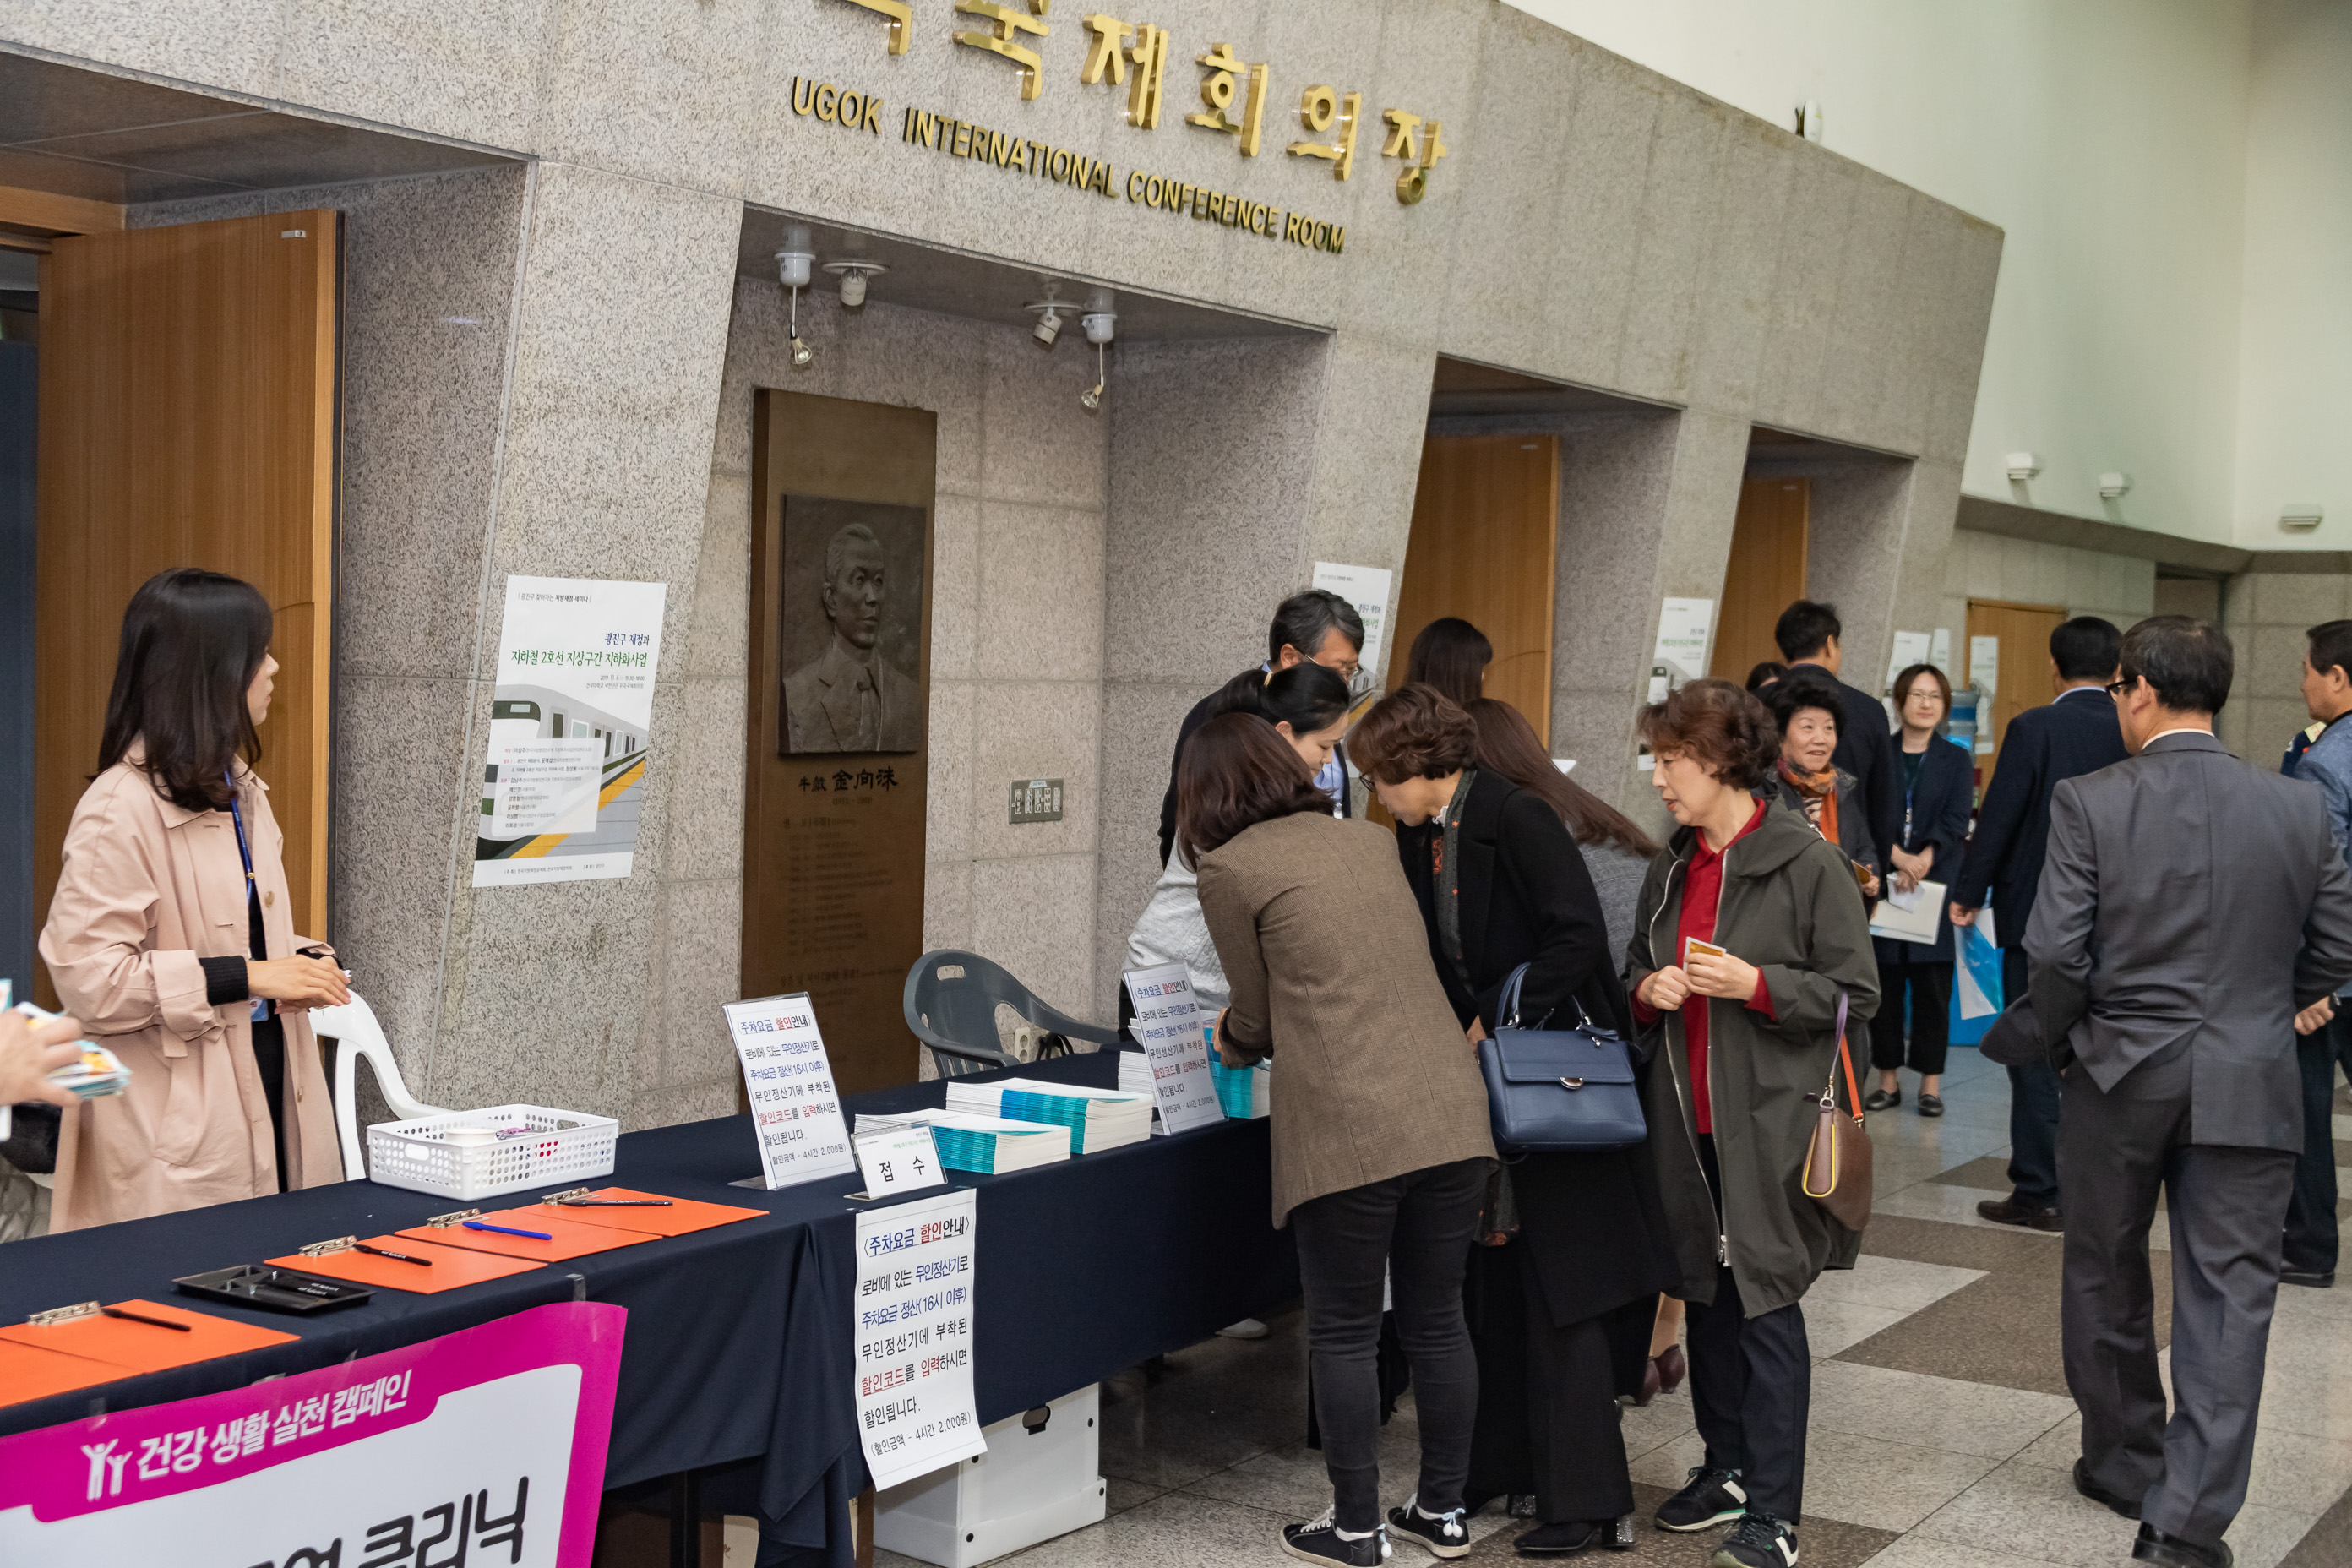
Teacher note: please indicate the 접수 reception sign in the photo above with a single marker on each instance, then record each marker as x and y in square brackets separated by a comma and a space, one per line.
[484, 1446]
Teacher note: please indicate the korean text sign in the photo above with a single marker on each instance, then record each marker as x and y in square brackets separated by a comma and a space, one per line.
[915, 1410]
[564, 767]
[788, 1079]
[485, 1445]
[1167, 1024]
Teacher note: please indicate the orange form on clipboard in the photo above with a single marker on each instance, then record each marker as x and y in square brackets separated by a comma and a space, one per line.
[567, 1239]
[143, 1347]
[683, 1216]
[449, 1266]
[26, 1373]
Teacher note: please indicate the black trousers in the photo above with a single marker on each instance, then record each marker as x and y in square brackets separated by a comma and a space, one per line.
[2033, 1107]
[2226, 1208]
[1751, 1383]
[1416, 1227]
[1547, 1416]
[1928, 983]
[2311, 1239]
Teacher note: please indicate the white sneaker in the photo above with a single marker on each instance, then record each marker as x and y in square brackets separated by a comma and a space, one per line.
[1248, 1329]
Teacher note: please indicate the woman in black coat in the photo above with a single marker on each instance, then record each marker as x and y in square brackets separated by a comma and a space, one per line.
[1938, 788]
[1574, 1249]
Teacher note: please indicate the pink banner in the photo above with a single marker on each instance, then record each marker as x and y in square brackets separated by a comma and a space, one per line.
[476, 1442]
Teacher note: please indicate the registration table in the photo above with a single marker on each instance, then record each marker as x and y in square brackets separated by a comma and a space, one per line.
[738, 1352]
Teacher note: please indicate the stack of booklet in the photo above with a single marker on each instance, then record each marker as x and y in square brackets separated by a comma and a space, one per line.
[991, 1145]
[1097, 1118]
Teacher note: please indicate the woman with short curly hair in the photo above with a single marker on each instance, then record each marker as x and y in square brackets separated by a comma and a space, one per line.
[1749, 931]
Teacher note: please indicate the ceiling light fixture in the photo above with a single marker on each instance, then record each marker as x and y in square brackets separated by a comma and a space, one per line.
[853, 276]
[1101, 322]
[793, 271]
[1050, 312]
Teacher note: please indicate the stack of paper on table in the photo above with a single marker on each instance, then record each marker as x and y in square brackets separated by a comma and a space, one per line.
[1135, 1074]
[988, 1144]
[1097, 1118]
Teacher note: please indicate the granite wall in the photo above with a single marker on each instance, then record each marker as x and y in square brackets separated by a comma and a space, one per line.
[2266, 615]
[560, 386]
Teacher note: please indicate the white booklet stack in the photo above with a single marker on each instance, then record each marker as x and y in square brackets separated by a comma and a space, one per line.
[988, 1144]
[1135, 1073]
[1097, 1118]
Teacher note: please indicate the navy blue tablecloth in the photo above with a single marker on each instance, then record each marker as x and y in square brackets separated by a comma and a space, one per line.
[738, 1352]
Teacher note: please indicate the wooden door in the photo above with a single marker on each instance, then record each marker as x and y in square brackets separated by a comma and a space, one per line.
[188, 418]
[1766, 572]
[2023, 679]
[1485, 523]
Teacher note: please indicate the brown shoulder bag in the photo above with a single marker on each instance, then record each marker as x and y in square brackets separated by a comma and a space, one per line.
[1837, 1163]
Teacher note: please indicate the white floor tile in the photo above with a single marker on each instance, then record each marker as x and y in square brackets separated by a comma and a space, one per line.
[1892, 1282]
[2033, 1512]
[1886, 1486]
[1831, 1326]
[1910, 1407]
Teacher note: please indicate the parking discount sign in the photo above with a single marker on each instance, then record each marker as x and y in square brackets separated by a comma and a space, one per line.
[483, 1446]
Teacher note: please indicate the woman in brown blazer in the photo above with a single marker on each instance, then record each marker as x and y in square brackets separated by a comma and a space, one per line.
[170, 937]
[1380, 1127]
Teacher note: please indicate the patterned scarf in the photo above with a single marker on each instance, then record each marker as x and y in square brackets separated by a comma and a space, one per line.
[1819, 792]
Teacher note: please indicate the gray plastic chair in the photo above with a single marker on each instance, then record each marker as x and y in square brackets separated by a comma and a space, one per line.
[951, 1005]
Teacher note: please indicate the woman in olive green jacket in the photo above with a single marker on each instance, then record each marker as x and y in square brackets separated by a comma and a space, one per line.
[1749, 1034]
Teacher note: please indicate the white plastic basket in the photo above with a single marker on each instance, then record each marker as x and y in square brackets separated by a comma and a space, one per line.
[561, 1146]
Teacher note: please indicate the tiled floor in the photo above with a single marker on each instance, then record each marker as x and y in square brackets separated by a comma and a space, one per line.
[1941, 1433]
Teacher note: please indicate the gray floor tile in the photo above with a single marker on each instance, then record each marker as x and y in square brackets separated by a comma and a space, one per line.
[1974, 1418]
[1885, 1485]
[1892, 1282]
[2033, 1512]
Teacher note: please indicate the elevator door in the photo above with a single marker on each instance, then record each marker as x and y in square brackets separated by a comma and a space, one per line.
[1766, 572]
[1485, 521]
[188, 418]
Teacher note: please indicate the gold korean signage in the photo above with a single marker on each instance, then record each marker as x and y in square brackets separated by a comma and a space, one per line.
[1133, 56]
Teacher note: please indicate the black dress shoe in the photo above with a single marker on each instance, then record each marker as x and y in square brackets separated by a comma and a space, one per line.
[1882, 1099]
[2155, 1546]
[1563, 1540]
[2127, 1507]
[2014, 1210]
[2309, 1279]
[1931, 1105]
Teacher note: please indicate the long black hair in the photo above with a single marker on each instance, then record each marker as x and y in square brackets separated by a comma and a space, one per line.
[192, 643]
[1307, 697]
[1451, 655]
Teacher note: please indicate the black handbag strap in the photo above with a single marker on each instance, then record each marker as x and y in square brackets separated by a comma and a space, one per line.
[1508, 1010]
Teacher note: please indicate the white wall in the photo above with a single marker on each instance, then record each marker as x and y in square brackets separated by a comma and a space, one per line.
[2109, 139]
[2294, 427]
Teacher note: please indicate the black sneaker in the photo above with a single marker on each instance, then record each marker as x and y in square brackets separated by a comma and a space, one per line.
[1712, 1497]
[1758, 1540]
[1444, 1535]
[1319, 1541]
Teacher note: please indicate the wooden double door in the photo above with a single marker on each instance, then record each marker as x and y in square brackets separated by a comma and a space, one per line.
[188, 417]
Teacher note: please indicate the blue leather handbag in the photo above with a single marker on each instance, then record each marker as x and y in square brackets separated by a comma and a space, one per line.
[1556, 1091]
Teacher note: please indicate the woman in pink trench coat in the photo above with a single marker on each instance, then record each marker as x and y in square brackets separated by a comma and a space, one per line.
[159, 943]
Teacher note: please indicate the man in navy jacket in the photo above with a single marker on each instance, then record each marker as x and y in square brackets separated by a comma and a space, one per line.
[1808, 633]
[2076, 733]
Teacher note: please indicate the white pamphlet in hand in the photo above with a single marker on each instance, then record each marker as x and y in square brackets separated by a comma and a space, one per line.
[1916, 916]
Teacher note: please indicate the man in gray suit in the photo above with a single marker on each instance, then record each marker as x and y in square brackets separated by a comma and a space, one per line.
[2194, 914]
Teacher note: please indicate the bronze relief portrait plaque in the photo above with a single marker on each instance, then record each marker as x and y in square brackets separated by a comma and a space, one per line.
[852, 630]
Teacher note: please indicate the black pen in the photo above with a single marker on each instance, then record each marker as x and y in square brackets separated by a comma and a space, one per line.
[613, 1203]
[387, 1252]
[143, 1318]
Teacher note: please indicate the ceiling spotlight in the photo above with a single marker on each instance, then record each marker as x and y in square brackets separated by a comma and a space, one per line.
[792, 265]
[2022, 465]
[2112, 485]
[853, 276]
[1100, 321]
[1050, 312]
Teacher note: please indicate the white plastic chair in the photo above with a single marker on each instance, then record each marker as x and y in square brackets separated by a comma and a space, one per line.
[354, 1028]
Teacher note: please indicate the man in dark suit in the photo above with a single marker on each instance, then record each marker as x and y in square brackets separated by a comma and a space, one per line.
[2194, 916]
[1808, 633]
[2074, 735]
[1316, 626]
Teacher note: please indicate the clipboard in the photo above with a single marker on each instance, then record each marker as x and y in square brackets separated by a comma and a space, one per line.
[570, 1238]
[28, 1372]
[683, 1218]
[143, 1347]
[453, 1267]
